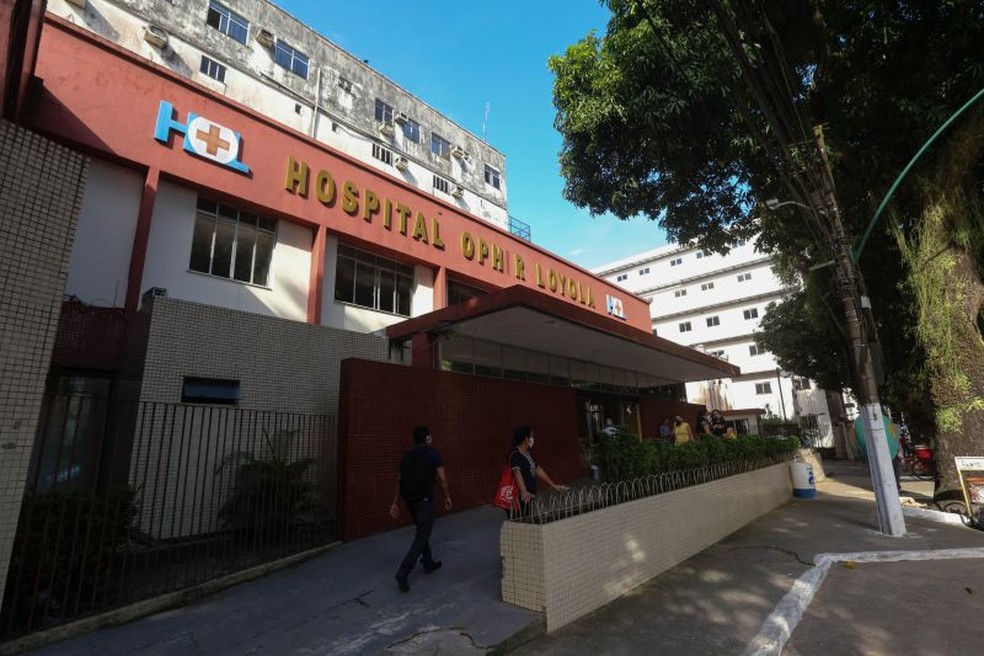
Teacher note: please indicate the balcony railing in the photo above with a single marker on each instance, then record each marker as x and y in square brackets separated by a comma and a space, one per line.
[519, 228]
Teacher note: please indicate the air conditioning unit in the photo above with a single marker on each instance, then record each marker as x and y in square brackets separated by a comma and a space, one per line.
[457, 151]
[401, 118]
[385, 129]
[155, 35]
[401, 163]
[77, 3]
[457, 191]
[265, 37]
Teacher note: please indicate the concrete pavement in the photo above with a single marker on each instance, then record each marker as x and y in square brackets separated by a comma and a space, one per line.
[740, 596]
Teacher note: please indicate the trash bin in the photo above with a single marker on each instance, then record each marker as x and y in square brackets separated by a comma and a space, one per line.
[804, 486]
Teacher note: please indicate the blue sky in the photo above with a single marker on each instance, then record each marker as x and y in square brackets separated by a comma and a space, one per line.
[459, 56]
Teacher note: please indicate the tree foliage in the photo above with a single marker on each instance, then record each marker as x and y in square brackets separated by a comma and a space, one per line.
[660, 118]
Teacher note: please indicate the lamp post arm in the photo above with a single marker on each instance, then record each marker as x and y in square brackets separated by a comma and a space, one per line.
[856, 253]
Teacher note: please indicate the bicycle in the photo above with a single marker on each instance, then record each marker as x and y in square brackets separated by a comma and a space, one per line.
[917, 460]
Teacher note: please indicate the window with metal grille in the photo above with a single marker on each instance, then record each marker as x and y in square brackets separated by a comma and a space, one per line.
[751, 314]
[384, 155]
[763, 388]
[440, 184]
[227, 21]
[232, 244]
[373, 282]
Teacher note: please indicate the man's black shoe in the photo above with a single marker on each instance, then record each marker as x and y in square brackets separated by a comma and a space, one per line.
[401, 582]
[433, 567]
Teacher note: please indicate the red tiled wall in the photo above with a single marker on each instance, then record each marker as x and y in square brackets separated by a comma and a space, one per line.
[472, 420]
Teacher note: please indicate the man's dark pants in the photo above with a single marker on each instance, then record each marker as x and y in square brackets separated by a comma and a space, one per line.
[423, 516]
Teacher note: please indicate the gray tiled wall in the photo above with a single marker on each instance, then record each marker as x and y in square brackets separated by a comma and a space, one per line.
[40, 196]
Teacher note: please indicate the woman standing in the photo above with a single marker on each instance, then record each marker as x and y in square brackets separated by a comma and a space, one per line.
[525, 470]
[682, 433]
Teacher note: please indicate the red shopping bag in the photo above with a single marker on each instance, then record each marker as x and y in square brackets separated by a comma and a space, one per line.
[505, 496]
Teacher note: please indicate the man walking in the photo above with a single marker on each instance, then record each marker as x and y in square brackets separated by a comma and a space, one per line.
[415, 484]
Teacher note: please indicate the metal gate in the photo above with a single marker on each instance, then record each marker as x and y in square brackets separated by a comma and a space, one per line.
[129, 501]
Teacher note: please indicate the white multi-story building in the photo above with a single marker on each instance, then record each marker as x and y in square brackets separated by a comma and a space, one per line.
[714, 303]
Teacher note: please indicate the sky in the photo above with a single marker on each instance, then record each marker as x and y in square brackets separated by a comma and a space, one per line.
[459, 56]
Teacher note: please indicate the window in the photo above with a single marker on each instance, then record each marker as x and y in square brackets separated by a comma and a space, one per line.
[492, 176]
[621, 277]
[685, 327]
[210, 390]
[751, 314]
[384, 112]
[755, 349]
[763, 388]
[384, 155]
[701, 254]
[800, 384]
[718, 354]
[345, 84]
[213, 69]
[373, 282]
[677, 261]
[232, 244]
[227, 22]
[459, 292]
[411, 130]
[744, 276]
[440, 146]
[680, 292]
[713, 321]
[705, 286]
[643, 271]
[440, 184]
[290, 58]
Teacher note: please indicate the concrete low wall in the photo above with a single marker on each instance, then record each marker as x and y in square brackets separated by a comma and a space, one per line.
[570, 567]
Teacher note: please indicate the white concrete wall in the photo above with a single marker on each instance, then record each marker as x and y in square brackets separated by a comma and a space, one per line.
[169, 251]
[100, 262]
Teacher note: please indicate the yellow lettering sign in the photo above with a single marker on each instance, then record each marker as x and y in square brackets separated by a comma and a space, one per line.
[350, 198]
[324, 186]
[297, 177]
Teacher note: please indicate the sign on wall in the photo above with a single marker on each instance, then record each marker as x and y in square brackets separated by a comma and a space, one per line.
[202, 137]
[615, 307]
[971, 472]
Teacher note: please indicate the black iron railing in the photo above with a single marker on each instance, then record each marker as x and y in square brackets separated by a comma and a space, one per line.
[150, 498]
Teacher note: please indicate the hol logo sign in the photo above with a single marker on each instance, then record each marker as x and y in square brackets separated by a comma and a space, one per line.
[202, 137]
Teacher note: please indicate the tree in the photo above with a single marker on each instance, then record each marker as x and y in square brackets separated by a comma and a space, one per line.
[661, 118]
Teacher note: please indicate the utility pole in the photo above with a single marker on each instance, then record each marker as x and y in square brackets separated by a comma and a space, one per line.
[890, 518]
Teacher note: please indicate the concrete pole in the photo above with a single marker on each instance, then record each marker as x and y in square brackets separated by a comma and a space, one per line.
[890, 518]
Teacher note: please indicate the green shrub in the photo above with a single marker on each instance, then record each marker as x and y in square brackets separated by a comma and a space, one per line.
[622, 459]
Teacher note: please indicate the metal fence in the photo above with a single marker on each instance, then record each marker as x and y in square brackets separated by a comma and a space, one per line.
[132, 501]
[581, 499]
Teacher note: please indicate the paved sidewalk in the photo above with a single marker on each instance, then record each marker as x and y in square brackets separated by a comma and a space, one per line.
[343, 602]
[729, 599]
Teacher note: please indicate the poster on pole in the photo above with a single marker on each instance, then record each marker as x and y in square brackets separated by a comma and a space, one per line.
[971, 472]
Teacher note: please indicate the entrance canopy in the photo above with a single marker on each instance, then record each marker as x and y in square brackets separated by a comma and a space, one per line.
[530, 330]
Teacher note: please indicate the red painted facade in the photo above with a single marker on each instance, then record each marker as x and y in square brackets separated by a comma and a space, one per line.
[107, 101]
[472, 420]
